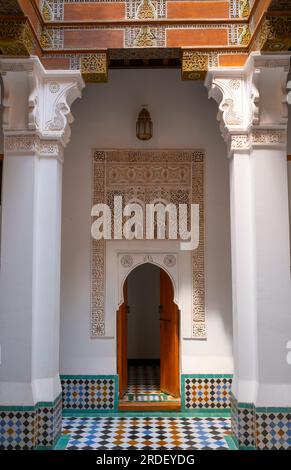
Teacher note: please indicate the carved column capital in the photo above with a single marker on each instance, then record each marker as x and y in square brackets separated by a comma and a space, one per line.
[252, 101]
[32, 144]
[37, 105]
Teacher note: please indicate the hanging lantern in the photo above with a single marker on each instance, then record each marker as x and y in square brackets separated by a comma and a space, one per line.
[144, 125]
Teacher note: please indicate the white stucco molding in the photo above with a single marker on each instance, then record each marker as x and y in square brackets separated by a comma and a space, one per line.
[252, 101]
[37, 106]
[129, 261]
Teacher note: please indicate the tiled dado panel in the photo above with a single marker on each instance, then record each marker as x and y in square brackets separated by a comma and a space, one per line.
[273, 428]
[260, 428]
[31, 427]
[243, 423]
[200, 391]
[90, 392]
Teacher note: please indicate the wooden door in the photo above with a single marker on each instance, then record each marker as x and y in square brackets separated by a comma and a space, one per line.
[169, 338]
[122, 338]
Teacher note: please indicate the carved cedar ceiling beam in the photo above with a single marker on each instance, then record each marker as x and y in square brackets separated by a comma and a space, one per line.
[93, 36]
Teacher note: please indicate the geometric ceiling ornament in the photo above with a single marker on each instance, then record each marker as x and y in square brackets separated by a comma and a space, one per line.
[16, 38]
[194, 65]
[94, 67]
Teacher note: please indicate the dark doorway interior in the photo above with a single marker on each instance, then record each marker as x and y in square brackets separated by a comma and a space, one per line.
[148, 341]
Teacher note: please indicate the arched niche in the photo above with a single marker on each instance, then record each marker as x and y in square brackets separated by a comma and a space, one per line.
[128, 262]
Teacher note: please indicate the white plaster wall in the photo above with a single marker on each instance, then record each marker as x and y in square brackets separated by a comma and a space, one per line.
[105, 117]
[1, 117]
[289, 164]
[144, 318]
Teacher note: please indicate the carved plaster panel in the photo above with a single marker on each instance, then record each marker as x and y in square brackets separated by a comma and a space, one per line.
[128, 262]
[169, 176]
[31, 144]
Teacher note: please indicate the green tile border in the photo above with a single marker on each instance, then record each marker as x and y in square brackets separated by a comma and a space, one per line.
[263, 409]
[203, 413]
[43, 448]
[116, 397]
[230, 442]
[18, 408]
[246, 406]
[273, 409]
[238, 406]
[88, 377]
[247, 448]
[208, 376]
[37, 406]
[62, 442]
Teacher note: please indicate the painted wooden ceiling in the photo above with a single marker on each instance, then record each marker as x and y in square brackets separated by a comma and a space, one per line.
[97, 34]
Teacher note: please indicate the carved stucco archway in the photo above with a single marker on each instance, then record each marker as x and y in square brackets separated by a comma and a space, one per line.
[126, 173]
[128, 262]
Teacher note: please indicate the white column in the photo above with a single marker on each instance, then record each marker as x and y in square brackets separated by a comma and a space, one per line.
[273, 285]
[253, 121]
[243, 279]
[36, 130]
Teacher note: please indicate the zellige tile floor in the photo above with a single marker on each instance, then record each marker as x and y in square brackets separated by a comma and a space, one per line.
[146, 433]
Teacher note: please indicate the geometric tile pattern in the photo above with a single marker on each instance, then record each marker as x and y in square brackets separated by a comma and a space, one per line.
[206, 391]
[260, 428]
[146, 396]
[89, 392]
[273, 431]
[28, 427]
[17, 429]
[243, 423]
[144, 382]
[49, 423]
[143, 375]
[146, 433]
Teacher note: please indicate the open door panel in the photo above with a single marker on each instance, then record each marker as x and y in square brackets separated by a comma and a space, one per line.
[122, 347]
[169, 338]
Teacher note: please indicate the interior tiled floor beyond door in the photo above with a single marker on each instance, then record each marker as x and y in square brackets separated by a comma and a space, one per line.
[144, 382]
[146, 433]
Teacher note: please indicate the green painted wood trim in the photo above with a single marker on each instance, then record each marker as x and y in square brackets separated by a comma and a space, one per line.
[230, 442]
